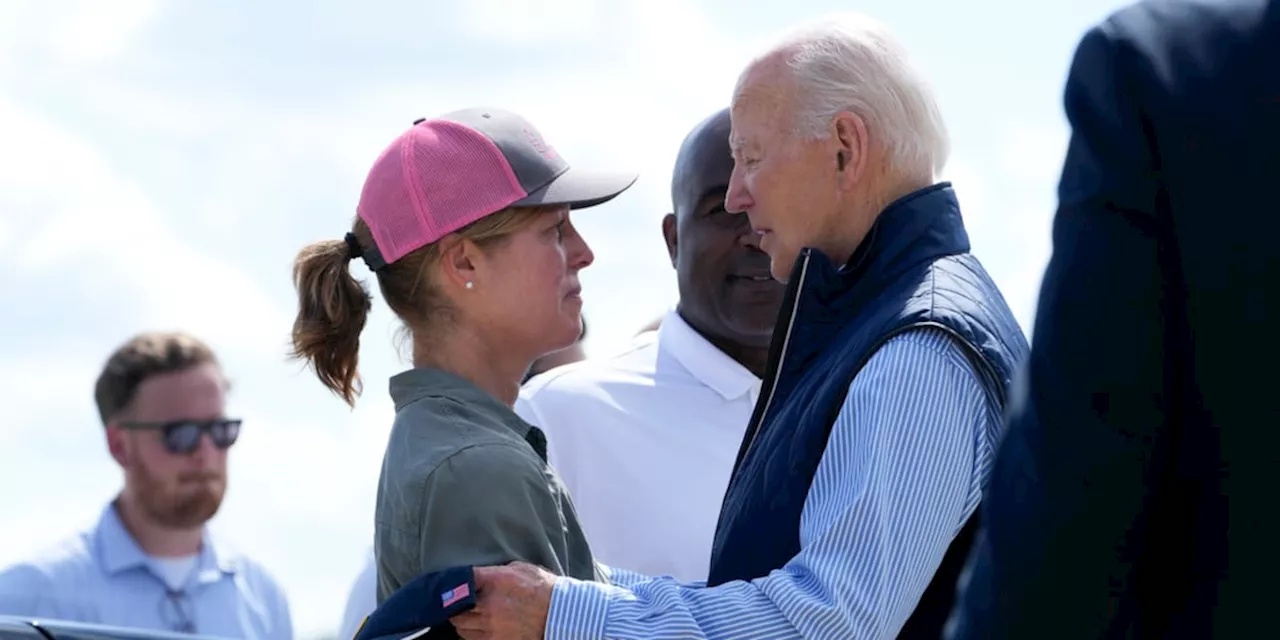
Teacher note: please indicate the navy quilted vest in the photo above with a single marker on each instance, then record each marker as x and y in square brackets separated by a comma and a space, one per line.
[913, 270]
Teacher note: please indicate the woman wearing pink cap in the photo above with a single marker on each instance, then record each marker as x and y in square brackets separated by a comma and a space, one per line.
[464, 221]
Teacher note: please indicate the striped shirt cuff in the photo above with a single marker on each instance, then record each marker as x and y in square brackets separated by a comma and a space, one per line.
[578, 609]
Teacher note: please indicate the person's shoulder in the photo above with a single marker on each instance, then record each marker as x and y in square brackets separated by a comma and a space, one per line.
[924, 373]
[251, 568]
[1175, 41]
[261, 582]
[484, 480]
[443, 424]
[924, 348]
[66, 562]
[28, 577]
[441, 410]
[488, 461]
[1173, 20]
[634, 362]
[432, 429]
[60, 580]
[920, 360]
[267, 598]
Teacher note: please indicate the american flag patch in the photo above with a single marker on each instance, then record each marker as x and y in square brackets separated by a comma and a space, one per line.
[455, 594]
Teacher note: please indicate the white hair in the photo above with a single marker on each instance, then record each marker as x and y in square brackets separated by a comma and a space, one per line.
[850, 62]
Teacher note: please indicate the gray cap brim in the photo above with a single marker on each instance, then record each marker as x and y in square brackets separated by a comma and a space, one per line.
[579, 189]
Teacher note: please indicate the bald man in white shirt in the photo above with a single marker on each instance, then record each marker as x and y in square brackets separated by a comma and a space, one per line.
[645, 440]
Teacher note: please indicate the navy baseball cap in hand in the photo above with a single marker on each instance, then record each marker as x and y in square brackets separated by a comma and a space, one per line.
[420, 610]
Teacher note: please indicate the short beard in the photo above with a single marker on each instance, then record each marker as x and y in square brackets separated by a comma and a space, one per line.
[177, 507]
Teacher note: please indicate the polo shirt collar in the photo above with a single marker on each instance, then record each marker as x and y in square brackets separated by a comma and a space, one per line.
[119, 552]
[711, 366]
[418, 383]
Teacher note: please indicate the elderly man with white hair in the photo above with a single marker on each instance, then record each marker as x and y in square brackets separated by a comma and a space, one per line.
[851, 504]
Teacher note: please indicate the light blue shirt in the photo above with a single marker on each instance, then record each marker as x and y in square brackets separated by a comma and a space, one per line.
[904, 467]
[101, 576]
[362, 600]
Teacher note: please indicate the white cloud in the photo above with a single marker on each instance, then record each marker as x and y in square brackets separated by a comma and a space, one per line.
[38, 387]
[159, 112]
[97, 224]
[1033, 152]
[529, 21]
[971, 190]
[14, 20]
[1015, 241]
[77, 33]
[95, 32]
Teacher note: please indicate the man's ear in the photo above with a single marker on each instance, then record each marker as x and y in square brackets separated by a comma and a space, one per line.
[669, 234]
[852, 146]
[117, 445]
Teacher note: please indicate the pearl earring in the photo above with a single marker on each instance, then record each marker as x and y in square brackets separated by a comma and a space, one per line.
[470, 284]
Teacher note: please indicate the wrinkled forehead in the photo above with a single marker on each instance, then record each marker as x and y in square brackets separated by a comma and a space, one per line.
[761, 105]
[756, 122]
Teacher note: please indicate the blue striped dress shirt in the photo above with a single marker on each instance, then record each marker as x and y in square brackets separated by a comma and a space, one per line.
[905, 465]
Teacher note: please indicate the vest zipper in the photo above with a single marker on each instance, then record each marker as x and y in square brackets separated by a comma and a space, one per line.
[776, 370]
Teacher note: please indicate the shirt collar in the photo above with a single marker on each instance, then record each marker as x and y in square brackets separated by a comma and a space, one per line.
[711, 366]
[415, 384]
[119, 552]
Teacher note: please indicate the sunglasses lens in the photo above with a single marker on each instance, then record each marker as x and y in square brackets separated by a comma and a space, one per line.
[182, 437]
[224, 433]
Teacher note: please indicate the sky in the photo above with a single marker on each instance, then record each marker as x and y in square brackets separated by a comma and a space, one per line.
[162, 162]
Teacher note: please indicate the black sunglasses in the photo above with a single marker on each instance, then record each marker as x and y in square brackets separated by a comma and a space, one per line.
[183, 436]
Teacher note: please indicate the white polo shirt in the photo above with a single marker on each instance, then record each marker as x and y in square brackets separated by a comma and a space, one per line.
[645, 442]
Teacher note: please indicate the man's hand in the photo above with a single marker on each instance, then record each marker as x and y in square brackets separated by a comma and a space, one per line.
[512, 602]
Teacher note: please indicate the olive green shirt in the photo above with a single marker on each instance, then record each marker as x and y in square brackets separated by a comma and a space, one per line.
[465, 481]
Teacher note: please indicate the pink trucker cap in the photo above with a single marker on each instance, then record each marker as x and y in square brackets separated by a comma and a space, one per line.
[443, 174]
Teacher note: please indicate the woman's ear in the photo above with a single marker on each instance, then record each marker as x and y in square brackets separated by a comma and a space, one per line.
[458, 261]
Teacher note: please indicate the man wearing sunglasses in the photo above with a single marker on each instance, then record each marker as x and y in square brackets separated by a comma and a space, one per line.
[150, 562]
